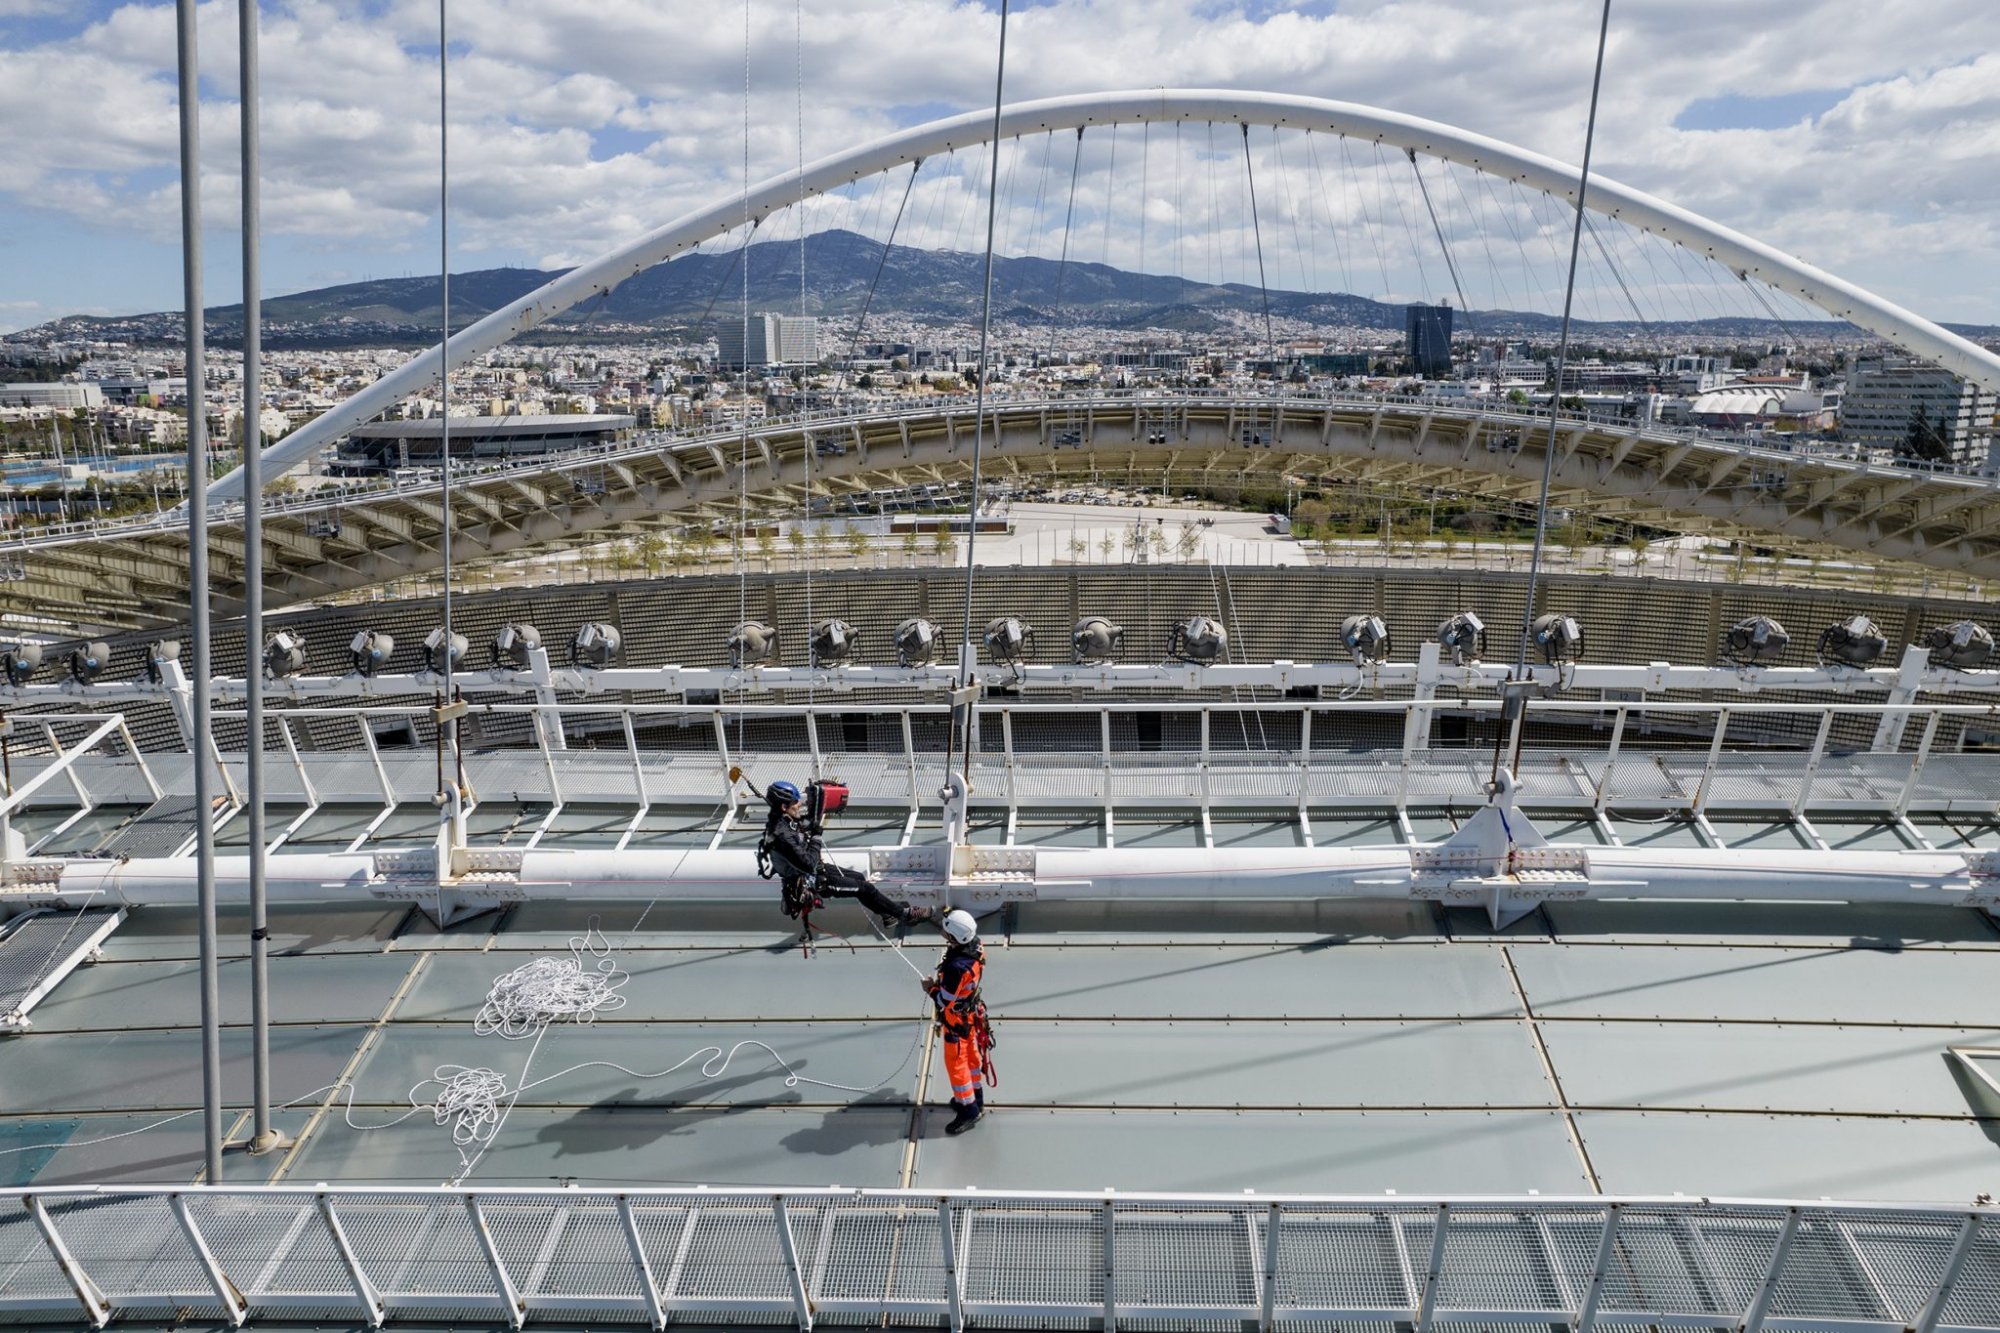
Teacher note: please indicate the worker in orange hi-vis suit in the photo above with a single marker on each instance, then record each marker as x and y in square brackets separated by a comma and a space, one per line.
[962, 1015]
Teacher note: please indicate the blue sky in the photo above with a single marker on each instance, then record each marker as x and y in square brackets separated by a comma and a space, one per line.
[1857, 137]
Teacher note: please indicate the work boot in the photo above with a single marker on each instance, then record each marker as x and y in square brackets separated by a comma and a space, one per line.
[967, 1116]
[917, 916]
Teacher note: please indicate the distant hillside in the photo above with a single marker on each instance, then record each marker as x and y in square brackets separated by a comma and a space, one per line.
[697, 292]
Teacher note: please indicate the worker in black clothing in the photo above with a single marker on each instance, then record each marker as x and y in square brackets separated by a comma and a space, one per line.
[792, 853]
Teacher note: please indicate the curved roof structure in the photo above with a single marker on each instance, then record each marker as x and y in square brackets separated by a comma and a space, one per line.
[1749, 258]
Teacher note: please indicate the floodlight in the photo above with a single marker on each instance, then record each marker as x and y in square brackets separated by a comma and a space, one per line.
[435, 652]
[512, 645]
[1964, 646]
[86, 660]
[1757, 641]
[595, 644]
[1366, 638]
[158, 654]
[19, 662]
[1558, 638]
[1463, 638]
[1854, 642]
[753, 643]
[833, 643]
[1200, 640]
[369, 651]
[1010, 640]
[1095, 640]
[284, 654]
[916, 642]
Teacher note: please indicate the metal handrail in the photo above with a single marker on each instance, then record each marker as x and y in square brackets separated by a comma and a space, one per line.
[1573, 1260]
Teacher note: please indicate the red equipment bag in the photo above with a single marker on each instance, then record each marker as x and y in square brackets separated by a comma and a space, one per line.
[828, 798]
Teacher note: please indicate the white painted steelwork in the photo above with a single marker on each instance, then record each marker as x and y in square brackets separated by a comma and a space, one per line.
[1748, 257]
[559, 1257]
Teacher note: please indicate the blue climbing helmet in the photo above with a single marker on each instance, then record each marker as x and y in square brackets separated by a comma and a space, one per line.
[781, 793]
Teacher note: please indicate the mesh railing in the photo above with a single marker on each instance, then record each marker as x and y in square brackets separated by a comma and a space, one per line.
[643, 1256]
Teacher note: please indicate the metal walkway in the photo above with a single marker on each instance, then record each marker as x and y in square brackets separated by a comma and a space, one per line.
[39, 949]
[1004, 1260]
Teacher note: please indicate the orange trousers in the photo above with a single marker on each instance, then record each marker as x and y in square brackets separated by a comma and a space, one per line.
[961, 1065]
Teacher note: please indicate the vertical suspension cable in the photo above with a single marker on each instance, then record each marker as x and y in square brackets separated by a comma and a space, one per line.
[1062, 264]
[1451, 265]
[743, 396]
[1549, 448]
[854, 343]
[1250, 175]
[979, 400]
[444, 392]
[262, 1139]
[187, 50]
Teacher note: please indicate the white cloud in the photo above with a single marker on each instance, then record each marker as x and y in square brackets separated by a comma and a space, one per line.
[576, 127]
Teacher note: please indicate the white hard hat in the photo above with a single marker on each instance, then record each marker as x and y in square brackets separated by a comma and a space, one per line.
[960, 926]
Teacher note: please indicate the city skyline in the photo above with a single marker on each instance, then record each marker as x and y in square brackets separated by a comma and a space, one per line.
[571, 136]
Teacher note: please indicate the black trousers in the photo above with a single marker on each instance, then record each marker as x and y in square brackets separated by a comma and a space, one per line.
[837, 881]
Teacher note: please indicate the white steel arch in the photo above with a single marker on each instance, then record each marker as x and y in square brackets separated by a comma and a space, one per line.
[1747, 257]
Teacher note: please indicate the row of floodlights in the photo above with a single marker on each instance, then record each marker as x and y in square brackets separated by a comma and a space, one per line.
[593, 645]
[1197, 640]
[1964, 645]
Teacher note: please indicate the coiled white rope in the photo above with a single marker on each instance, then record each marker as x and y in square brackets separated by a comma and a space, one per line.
[547, 990]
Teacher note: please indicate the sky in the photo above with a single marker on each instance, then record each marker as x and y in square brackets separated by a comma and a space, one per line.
[1863, 137]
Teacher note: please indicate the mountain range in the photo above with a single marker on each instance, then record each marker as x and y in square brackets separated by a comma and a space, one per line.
[695, 293]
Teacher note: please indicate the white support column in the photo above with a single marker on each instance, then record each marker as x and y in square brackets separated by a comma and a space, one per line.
[1107, 1228]
[375, 757]
[1610, 761]
[801, 1306]
[179, 692]
[364, 1290]
[642, 1262]
[503, 1285]
[1427, 1307]
[1947, 1280]
[543, 676]
[298, 762]
[1417, 722]
[1707, 787]
[1760, 1305]
[226, 1294]
[88, 1294]
[638, 767]
[953, 1284]
[1267, 1304]
[1305, 760]
[1007, 749]
[1917, 762]
[1586, 1315]
[1909, 684]
[1813, 759]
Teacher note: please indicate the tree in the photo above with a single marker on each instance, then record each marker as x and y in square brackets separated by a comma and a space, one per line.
[943, 545]
[910, 544]
[1078, 548]
[1309, 517]
[767, 546]
[1640, 544]
[1518, 397]
[857, 544]
[796, 538]
[652, 551]
[1107, 546]
[866, 381]
[1188, 540]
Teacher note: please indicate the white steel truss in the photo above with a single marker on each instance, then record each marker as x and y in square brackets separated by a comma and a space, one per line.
[583, 1256]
